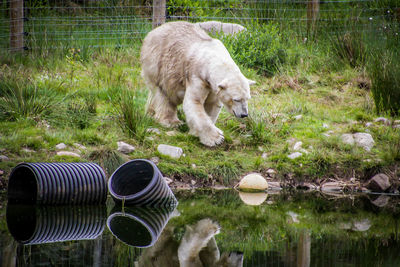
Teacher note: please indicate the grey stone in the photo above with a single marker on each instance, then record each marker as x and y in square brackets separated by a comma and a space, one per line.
[168, 180]
[381, 201]
[194, 166]
[369, 124]
[382, 120]
[171, 133]
[125, 148]
[4, 158]
[155, 160]
[364, 140]
[295, 155]
[379, 183]
[325, 126]
[154, 130]
[79, 146]
[347, 139]
[264, 155]
[68, 153]
[1, 172]
[298, 145]
[294, 216]
[332, 187]
[172, 151]
[271, 173]
[361, 226]
[61, 146]
[27, 150]
[298, 117]
[274, 185]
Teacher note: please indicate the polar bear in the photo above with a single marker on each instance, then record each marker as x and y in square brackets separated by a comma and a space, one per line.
[181, 63]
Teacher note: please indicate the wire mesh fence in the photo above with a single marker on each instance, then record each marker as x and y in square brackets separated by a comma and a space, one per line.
[62, 24]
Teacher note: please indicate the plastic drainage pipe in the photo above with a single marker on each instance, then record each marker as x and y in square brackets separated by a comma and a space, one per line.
[139, 182]
[57, 183]
[30, 224]
[138, 226]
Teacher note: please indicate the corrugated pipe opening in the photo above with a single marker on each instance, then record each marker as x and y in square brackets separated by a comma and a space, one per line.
[23, 185]
[139, 182]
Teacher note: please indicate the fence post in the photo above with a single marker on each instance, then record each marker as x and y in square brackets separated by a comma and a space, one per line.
[312, 15]
[159, 7]
[16, 25]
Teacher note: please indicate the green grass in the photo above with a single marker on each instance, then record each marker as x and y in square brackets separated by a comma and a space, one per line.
[97, 98]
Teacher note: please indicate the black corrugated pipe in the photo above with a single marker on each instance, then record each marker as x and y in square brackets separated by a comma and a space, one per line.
[30, 224]
[139, 182]
[138, 226]
[57, 183]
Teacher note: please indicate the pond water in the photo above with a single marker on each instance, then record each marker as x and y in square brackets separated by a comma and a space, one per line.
[208, 228]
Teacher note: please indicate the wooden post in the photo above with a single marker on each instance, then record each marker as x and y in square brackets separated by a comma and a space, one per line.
[312, 14]
[17, 25]
[159, 8]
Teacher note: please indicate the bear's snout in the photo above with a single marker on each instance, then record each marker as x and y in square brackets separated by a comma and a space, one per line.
[244, 115]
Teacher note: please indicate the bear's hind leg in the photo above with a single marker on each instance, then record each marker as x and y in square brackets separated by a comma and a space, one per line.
[165, 112]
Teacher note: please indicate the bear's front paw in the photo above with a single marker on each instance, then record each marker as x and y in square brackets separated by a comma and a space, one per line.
[212, 137]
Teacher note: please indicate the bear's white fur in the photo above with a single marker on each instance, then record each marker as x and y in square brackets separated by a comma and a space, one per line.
[181, 63]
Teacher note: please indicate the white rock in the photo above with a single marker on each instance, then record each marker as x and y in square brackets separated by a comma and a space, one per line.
[253, 181]
[264, 155]
[168, 180]
[68, 153]
[155, 160]
[154, 130]
[298, 145]
[61, 146]
[347, 139]
[298, 117]
[194, 166]
[325, 126]
[364, 140]
[27, 150]
[294, 216]
[4, 158]
[172, 151]
[362, 225]
[369, 124]
[79, 146]
[326, 134]
[382, 120]
[295, 155]
[125, 148]
[271, 172]
[253, 199]
[171, 133]
[193, 182]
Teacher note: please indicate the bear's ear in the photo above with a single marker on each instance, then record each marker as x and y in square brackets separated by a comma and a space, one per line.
[223, 85]
[251, 82]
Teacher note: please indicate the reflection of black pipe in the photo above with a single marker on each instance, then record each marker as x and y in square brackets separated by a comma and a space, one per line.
[57, 183]
[140, 182]
[138, 226]
[47, 224]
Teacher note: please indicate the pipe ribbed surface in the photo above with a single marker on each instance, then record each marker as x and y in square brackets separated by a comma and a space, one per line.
[30, 224]
[57, 183]
[139, 226]
[139, 182]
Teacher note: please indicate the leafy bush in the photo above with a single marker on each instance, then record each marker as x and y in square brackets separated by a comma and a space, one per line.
[258, 47]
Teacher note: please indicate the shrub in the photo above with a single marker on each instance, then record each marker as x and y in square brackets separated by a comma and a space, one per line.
[132, 115]
[384, 71]
[258, 47]
[26, 100]
[350, 48]
[107, 158]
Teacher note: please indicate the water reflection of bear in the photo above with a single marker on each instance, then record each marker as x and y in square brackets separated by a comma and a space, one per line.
[145, 227]
[197, 248]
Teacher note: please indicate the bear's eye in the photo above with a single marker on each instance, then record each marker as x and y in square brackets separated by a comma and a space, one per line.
[237, 100]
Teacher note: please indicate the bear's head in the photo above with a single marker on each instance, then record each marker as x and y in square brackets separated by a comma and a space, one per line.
[234, 94]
